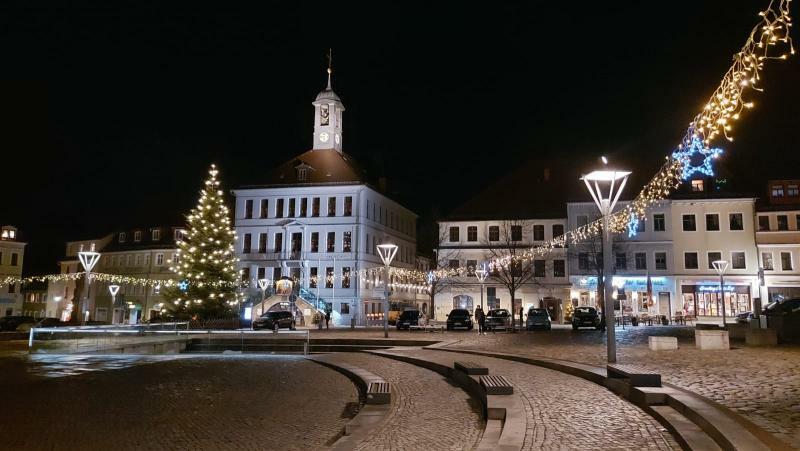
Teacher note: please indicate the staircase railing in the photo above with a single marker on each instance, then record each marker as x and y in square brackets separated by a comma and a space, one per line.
[318, 303]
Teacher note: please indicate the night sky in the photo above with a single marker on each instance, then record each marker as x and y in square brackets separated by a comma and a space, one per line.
[109, 116]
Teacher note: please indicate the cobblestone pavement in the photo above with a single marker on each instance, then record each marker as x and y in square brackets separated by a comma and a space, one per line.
[199, 403]
[567, 412]
[427, 411]
[762, 384]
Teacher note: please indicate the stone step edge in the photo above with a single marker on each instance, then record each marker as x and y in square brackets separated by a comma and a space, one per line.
[599, 376]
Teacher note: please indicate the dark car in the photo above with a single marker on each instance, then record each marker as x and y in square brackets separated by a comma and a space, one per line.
[498, 319]
[783, 307]
[459, 318]
[744, 317]
[274, 321]
[586, 317]
[407, 319]
[10, 323]
[538, 318]
[50, 322]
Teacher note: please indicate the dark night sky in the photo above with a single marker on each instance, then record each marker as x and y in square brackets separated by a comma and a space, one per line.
[109, 116]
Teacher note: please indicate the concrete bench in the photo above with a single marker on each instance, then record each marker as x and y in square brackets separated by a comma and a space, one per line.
[636, 376]
[712, 340]
[662, 343]
[761, 337]
[496, 385]
[470, 368]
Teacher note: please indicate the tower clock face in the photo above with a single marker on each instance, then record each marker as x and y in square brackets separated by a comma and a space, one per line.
[323, 137]
[337, 138]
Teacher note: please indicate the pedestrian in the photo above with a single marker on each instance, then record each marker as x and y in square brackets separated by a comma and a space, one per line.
[520, 317]
[480, 318]
[318, 318]
[327, 318]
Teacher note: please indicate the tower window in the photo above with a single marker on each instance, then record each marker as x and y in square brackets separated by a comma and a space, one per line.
[324, 115]
[698, 186]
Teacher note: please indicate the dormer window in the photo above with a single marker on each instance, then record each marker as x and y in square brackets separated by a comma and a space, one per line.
[137, 236]
[179, 234]
[302, 174]
[122, 237]
[9, 234]
[156, 234]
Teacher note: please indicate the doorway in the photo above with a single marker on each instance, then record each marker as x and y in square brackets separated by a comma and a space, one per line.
[553, 307]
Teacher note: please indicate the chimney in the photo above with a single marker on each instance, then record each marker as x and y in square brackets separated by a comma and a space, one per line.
[546, 174]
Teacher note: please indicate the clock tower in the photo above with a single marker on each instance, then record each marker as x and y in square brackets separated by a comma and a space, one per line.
[328, 110]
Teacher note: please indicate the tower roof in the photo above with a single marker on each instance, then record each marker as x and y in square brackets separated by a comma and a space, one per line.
[327, 94]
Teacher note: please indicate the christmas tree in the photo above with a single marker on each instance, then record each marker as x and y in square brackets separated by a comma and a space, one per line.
[208, 282]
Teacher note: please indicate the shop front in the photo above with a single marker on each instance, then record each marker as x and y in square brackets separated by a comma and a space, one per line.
[702, 297]
[632, 295]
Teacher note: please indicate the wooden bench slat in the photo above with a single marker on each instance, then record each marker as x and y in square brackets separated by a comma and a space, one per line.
[471, 368]
[496, 385]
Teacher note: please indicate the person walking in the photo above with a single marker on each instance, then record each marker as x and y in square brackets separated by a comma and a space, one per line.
[521, 323]
[327, 319]
[480, 318]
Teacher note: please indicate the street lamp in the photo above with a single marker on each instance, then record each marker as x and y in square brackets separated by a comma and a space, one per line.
[721, 266]
[88, 259]
[482, 274]
[387, 253]
[605, 186]
[263, 284]
[114, 289]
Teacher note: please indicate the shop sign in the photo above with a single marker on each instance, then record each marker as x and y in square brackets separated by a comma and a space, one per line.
[638, 283]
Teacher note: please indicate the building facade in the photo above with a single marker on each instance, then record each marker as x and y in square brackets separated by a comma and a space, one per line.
[12, 254]
[317, 220]
[778, 240]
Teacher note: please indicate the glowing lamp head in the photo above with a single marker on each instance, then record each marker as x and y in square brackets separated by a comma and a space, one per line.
[721, 266]
[387, 252]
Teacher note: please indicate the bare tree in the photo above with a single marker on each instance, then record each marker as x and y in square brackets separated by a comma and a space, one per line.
[441, 276]
[589, 256]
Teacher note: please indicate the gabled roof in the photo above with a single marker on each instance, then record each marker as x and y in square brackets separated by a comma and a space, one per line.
[327, 167]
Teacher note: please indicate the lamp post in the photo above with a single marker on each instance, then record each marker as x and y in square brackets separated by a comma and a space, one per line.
[263, 284]
[721, 266]
[482, 274]
[605, 186]
[387, 253]
[88, 260]
[114, 289]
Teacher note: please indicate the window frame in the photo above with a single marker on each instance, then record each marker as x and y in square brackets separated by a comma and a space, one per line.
[791, 261]
[771, 261]
[744, 259]
[684, 216]
[686, 255]
[663, 218]
[453, 234]
[711, 260]
[719, 226]
[538, 231]
[636, 256]
[730, 221]
[666, 261]
[472, 234]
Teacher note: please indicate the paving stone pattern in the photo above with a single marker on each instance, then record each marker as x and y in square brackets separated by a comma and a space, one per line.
[214, 403]
[762, 384]
[428, 412]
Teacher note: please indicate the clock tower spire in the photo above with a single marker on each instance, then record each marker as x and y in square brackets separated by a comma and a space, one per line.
[328, 110]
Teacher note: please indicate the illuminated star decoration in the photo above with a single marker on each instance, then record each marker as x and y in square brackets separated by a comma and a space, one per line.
[184, 285]
[696, 150]
[633, 225]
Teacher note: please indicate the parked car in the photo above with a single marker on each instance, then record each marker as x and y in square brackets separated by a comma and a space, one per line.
[10, 323]
[744, 317]
[586, 317]
[407, 319]
[498, 319]
[50, 322]
[538, 318]
[459, 318]
[783, 307]
[274, 321]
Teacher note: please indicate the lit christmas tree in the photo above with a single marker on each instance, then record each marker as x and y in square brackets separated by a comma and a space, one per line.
[208, 285]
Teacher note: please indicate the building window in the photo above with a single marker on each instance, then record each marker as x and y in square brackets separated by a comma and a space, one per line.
[738, 260]
[264, 208]
[538, 268]
[661, 260]
[690, 260]
[621, 260]
[797, 222]
[454, 234]
[766, 261]
[712, 257]
[248, 209]
[471, 266]
[492, 301]
[292, 205]
[736, 221]
[314, 241]
[159, 259]
[583, 261]
[303, 207]
[331, 241]
[12, 288]
[246, 243]
[641, 260]
[494, 233]
[279, 208]
[278, 244]
[453, 264]
[659, 223]
[583, 220]
[712, 222]
[345, 277]
[344, 308]
[156, 234]
[698, 185]
[559, 268]
[516, 233]
[348, 206]
[472, 233]
[137, 236]
[262, 243]
[786, 261]
[763, 223]
[315, 207]
[122, 237]
[538, 233]
[347, 242]
[558, 230]
[138, 260]
[302, 174]
[777, 190]
[374, 245]
[331, 206]
[329, 276]
[312, 281]
[783, 222]
[689, 224]
[792, 191]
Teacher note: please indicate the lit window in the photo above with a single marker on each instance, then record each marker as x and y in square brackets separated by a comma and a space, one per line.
[137, 236]
[698, 185]
[792, 191]
[766, 261]
[777, 190]
[156, 234]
